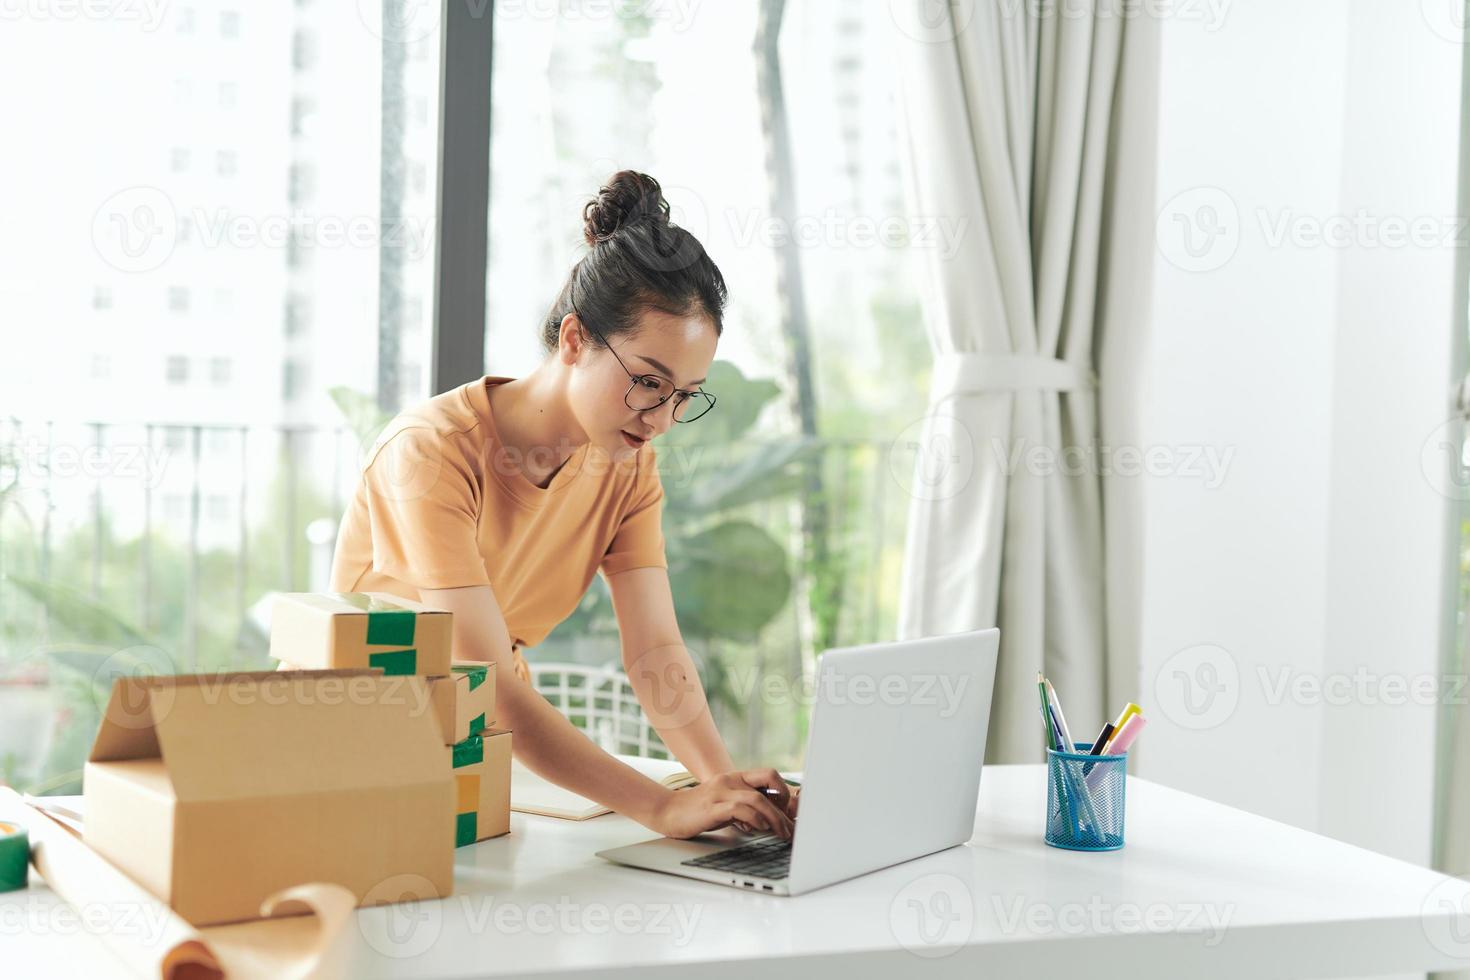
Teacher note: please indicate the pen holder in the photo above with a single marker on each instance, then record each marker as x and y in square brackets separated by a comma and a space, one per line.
[1084, 799]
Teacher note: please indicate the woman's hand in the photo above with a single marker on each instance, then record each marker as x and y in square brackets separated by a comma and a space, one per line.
[731, 797]
[791, 804]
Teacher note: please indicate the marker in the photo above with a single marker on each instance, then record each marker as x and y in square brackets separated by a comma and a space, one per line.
[1097, 745]
[1121, 741]
[1129, 710]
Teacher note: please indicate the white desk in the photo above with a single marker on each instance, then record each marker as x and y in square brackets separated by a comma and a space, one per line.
[1200, 890]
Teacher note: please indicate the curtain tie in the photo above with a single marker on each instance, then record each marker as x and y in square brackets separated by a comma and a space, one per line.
[962, 373]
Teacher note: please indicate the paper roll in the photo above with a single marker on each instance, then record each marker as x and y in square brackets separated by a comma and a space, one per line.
[296, 946]
[15, 857]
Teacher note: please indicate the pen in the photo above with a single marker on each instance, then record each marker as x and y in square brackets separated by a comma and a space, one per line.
[1097, 745]
[1062, 745]
[1061, 717]
[1082, 811]
[1045, 711]
[1067, 790]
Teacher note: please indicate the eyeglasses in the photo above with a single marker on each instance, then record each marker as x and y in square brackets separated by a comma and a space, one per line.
[648, 391]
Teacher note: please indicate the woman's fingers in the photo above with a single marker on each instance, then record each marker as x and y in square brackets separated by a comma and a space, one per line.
[750, 814]
[775, 819]
[786, 801]
[769, 779]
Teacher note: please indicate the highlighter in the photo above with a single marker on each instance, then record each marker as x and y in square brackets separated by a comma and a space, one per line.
[1119, 745]
[1129, 710]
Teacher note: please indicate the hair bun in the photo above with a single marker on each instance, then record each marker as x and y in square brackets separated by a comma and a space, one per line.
[627, 197]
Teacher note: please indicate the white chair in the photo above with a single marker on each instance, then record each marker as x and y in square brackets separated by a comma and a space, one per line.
[601, 702]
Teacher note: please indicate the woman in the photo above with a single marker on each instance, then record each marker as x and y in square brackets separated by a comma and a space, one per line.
[500, 499]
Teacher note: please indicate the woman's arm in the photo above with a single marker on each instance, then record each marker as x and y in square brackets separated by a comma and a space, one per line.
[552, 747]
[661, 672]
[544, 740]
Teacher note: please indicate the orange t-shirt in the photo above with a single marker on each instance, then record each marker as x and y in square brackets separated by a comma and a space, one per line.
[442, 504]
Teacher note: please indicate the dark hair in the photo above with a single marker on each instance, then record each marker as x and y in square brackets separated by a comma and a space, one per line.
[638, 260]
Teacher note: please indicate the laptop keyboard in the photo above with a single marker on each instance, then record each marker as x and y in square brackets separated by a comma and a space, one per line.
[766, 857]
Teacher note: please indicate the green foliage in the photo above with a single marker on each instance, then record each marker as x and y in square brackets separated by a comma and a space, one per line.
[361, 412]
[731, 580]
[731, 577]
[72, 645]
[80, 675]
[77, 617]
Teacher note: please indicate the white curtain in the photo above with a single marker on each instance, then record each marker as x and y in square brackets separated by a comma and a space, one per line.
[1007, 111]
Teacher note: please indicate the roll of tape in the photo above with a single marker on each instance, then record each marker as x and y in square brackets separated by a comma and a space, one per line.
[15, 856]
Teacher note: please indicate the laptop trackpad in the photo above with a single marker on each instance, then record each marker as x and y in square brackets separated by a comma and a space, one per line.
[672, 848]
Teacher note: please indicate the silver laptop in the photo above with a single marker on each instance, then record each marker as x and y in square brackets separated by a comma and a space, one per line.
[892, 771]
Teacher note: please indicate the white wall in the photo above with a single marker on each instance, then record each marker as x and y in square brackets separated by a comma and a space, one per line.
[1316, 372]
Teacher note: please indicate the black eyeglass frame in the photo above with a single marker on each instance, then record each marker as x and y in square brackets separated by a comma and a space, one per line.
[634, 379]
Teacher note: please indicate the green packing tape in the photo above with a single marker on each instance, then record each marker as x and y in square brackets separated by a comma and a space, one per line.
[469, 752]
[476, 675]
[477, 724]
[466, 828]
[389, 624]
[395, 662]
[15, 856]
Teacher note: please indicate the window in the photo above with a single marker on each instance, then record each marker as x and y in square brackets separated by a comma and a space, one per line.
[229, 23]
[303, 51]
[302, 182]
[176, 369]
[101, 298]
[229, 95]
[179, 159]
[293, 379]
[178, 299]
[225, 163]
[303, 111]
[689, 101]
[101, 367]
[219, 371]
[298, 315]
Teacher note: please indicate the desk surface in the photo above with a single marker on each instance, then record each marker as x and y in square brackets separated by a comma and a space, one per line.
[1200, 890]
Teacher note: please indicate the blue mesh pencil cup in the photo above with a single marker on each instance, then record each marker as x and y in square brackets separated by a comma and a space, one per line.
[1084, 799]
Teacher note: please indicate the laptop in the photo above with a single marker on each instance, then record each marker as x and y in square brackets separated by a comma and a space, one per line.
[893, 758]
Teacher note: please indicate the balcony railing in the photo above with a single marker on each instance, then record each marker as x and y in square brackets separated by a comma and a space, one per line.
[174, 533]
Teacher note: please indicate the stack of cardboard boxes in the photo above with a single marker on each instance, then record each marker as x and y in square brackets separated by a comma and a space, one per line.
[215, 791]
[403, 638]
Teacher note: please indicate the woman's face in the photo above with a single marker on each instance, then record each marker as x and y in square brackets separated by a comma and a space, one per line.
[679, 349]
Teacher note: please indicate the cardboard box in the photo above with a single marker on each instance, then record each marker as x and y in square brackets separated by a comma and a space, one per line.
[482, 786]
[360, 629]
[464, 701]
[215, 791]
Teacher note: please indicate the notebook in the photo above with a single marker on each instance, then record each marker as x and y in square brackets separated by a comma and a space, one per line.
[529, 793]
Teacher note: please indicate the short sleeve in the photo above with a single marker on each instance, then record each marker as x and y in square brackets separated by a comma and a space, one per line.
[422, 504]
[639, 541]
